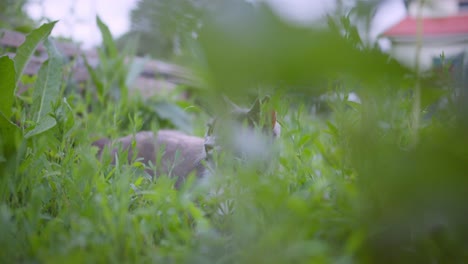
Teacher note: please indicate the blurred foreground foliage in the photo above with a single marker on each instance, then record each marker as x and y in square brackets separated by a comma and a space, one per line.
[13, 16]
[375, 180]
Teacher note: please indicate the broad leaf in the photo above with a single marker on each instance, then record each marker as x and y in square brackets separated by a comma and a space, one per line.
[7, 85]
[46, 91]
[26, 50]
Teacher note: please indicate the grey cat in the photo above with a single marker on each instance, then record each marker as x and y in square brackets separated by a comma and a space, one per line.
[177, 154]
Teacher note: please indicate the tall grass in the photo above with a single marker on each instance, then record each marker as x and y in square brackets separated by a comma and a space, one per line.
[345, 186]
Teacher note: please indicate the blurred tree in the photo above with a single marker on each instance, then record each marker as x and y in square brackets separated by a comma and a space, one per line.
[12, 16]
[165, 27]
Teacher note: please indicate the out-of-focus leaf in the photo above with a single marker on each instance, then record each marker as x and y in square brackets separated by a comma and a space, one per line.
[68, 115]
[332, 130]
[412, 197]
[175, 114]
[431, 95]
[26, 50]
[111, 73]
[250, 45]
[95, 78]
[136, 67]
[46, 91]
[354, 105]
[107, 41]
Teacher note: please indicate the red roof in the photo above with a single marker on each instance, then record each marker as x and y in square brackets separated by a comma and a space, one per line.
[451, 25]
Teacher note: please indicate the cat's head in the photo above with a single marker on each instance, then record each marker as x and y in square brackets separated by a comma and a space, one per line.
[242, 130]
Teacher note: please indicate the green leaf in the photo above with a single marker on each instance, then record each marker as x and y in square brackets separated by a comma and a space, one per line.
[304, 140]
[7, 129]
[46, 91]
[332, 129]
[107, 41]
[69, 117]
[26, 50]
[430, 95]
[137, 66]
[8, 132]
[95, 78]
[175, 114]
[300, 57]
[354, 105]
[7, 86]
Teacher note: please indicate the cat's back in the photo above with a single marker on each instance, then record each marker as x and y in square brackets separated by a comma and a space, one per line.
[177, 138]
[180, 147]
[173, 152]
[181, 153]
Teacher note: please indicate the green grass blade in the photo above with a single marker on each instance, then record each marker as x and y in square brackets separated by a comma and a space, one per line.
[95, 78]
[46, 91]
[136, 68]
[8, 132]
[26, 50]
[107, 41]
[7, 85]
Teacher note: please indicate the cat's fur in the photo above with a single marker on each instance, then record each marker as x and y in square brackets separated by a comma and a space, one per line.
[181, 154]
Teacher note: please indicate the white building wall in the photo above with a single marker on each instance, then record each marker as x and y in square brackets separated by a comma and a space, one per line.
[406, 53]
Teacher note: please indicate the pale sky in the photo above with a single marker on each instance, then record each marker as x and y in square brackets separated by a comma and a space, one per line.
[77, 17]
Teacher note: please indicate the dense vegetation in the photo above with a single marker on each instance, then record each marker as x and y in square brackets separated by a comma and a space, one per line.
[12, 16]
[165, 28]
[382, 180]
